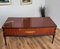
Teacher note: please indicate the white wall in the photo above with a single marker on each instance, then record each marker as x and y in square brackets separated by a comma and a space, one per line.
[53, 10]
[18, 10]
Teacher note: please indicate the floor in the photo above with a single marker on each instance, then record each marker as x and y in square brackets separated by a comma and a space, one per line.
[42, 42]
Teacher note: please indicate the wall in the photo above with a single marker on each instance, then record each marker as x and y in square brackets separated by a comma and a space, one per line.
[18, 10]
[53, 10]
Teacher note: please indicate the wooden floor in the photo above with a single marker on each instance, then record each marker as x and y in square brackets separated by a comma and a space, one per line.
[42, 42]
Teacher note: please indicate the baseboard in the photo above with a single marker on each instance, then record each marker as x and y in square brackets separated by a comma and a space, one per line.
[58, 27]
[0, 28]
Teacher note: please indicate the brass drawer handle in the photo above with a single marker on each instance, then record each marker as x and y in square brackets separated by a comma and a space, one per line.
[30, 31]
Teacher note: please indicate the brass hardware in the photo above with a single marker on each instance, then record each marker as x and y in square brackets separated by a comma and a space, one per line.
[30, 31]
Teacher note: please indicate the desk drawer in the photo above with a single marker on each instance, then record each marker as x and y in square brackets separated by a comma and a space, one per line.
[35, 31]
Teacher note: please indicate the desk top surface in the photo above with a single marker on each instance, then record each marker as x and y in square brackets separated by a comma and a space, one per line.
[35, 22]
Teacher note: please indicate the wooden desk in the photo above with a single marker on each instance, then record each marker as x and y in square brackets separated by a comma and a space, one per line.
[29, 27]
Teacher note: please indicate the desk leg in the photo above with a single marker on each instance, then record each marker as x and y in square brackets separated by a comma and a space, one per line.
[5, 40]
[4, 37]
[53, 38]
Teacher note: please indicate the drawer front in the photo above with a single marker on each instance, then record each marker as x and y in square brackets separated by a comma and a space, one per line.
[35, 31]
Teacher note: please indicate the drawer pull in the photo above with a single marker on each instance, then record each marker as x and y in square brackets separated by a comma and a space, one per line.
[30, 31]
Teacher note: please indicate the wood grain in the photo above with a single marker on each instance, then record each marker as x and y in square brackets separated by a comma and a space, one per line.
[33, 31]
[42, 42]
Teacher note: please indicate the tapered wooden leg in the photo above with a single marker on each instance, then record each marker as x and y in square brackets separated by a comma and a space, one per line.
[4, 37]
[5, 40]
[53, 38]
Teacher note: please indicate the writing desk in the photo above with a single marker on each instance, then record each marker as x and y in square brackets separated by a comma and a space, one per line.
[15, 26]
